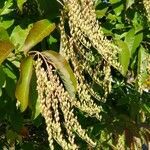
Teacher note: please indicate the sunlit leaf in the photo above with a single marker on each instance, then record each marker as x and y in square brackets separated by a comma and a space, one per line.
[23, 85]
[142, 60]
[143, 63]
[124, 56]
[6, 8]
[101, 13]
[52, 40]
[20, 3]
[64, 71]
[138, 22]
[117, 6]
[129, 39]
[5, 49]
[129, 3]
[137, 41]
[6, 23]
[18, 36]
[39, 31]
[133, 40]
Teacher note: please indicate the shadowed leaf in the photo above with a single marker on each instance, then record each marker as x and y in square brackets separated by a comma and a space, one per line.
[34, 103]
[64, 71]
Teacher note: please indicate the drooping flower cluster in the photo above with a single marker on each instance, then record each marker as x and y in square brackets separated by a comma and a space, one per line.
[85, 29]
[91, 56]
[55, 102]
[147, 7]
[86, 46]
[144, 74]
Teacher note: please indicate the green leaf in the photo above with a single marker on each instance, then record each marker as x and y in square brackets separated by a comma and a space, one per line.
[10, 72]
[5, 49]
[117, 6]
[146, 108]
[6, 23]
[64, 71]
[2, 77]
[6, 8]
[39, 31]
[34, 103]
[101, 13]
[4, 34]
[10, 87]
[133, 40]
[137, 41]
[18, 36]
[20, 4]
[23, 85]
[142, 65]
[141, 60]
[124, 56]
[52, 40]
[129, 3]
[37, 109]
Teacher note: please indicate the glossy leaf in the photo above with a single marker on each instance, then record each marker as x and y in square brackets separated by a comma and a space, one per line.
[133, 40]
[124, 56]
[64, 71]
[39, 31]
[5, 49]
[23, 85]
